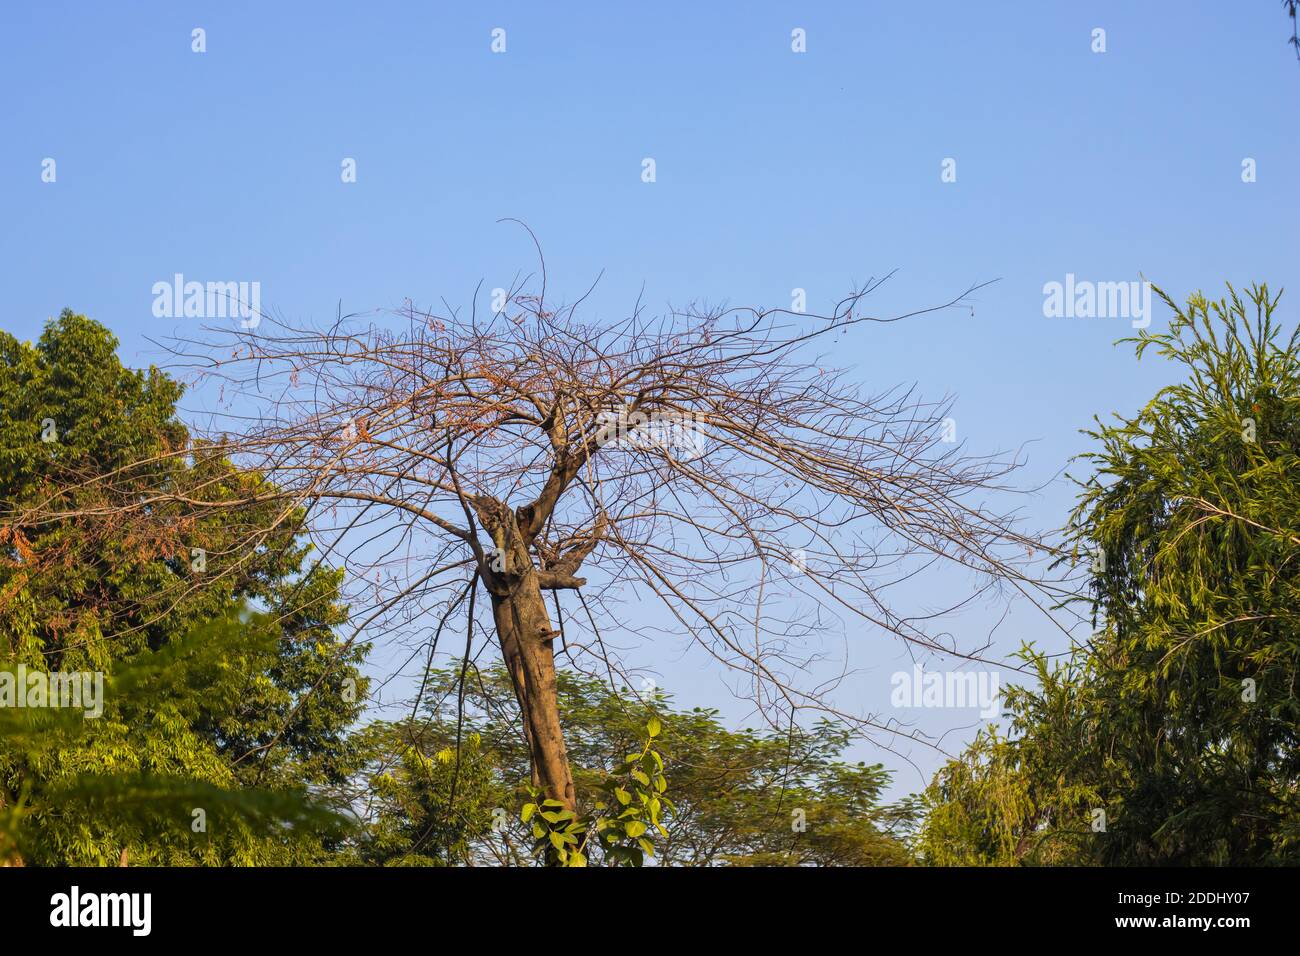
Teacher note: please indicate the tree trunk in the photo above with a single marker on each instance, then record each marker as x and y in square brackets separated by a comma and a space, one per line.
[524, 630]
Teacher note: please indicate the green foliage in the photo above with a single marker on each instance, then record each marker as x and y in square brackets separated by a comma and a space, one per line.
[1180, 719]
[87, 584]
[633, 805]
[1024, 797]
[631, 802]
[733, 794]
[430, 808]
[138, 779]
[560, 834]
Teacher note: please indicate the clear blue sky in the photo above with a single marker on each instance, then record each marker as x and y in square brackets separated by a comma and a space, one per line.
[775, 170]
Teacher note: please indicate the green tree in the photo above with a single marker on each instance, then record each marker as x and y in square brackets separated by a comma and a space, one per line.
[1026, 796]
[1179, 720]
[132, 781]
[82, 591]
[738, 797]
[429, 808]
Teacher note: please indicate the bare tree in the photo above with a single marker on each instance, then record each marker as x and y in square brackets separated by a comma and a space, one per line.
[709, 461]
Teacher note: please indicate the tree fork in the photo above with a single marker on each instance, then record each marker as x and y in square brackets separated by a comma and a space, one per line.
[524, 631]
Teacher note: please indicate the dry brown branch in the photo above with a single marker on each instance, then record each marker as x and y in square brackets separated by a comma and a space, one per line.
[708, 460]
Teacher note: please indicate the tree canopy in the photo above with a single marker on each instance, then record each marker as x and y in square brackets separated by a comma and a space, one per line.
[1167, 737]
[1170, 737]
[92, 592]
[739, 798]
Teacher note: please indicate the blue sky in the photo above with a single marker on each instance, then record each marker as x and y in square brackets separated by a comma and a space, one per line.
[775, 170]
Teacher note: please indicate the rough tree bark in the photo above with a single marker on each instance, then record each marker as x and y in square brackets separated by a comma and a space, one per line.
[524, 632]
[526, 636]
